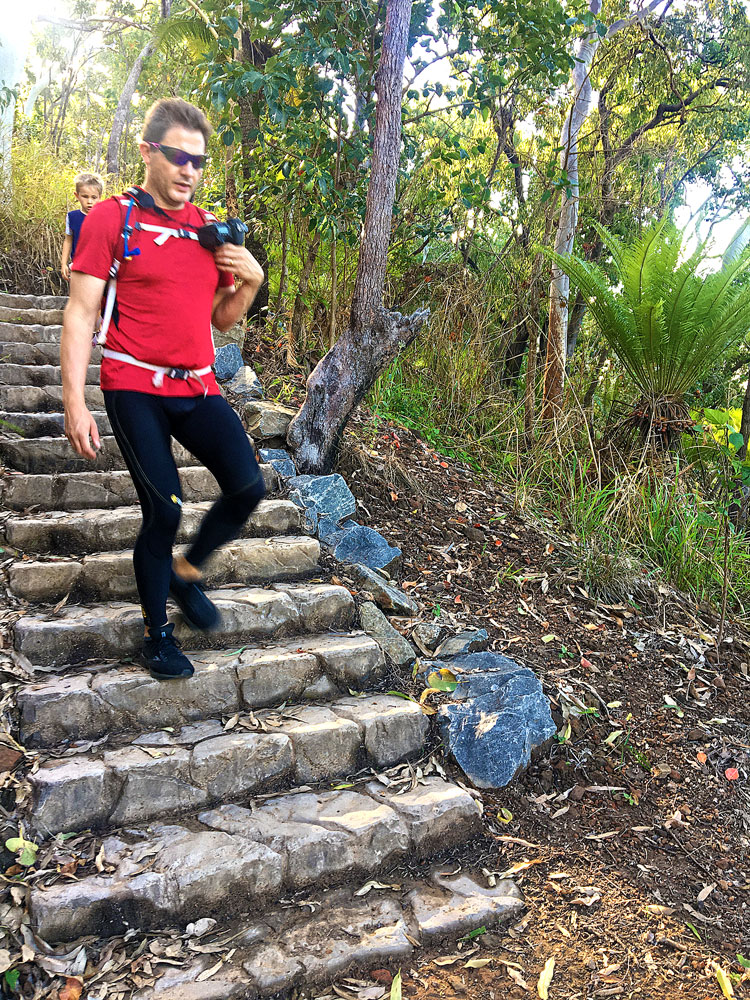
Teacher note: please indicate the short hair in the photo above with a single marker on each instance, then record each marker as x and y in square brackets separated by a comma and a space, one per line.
[169, 111]
[89, 180]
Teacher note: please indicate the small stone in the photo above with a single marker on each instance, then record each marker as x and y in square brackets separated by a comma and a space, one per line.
[470, 641]
[385, 594]
[246, 384]
[267, 421]
[228, 362]
[280, 460]
[428, 635]
[359, 544]
[454, 906]
[390, 641]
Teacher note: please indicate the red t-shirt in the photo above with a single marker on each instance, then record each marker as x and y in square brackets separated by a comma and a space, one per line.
[164, 297]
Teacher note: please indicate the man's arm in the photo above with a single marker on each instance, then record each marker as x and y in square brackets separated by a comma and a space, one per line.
[230, 304]
[79, 320]
[65, 258]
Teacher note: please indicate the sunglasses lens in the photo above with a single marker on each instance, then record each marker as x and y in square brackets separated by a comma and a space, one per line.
[179, 157]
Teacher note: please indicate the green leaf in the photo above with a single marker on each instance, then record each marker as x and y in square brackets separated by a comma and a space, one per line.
[736, 440]
[396, 987]
[744, 962]
[443, 680]
[11, 978]
[26, 850]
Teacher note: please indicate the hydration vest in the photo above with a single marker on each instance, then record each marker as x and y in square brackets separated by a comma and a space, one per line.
[131, 197]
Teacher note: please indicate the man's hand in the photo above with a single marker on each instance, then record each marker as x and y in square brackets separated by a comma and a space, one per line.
[82, 432]
[240, 262]
[65, 271]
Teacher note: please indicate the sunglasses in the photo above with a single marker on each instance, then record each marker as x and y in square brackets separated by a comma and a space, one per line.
[179, 157]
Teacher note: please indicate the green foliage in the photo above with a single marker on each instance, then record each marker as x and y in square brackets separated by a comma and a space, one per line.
[667, 323]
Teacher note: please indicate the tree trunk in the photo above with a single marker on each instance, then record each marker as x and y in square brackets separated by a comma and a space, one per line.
[374, 335]
[557, 333]
[745, 422]
[583, 96]
[122, 109]
[297, 326]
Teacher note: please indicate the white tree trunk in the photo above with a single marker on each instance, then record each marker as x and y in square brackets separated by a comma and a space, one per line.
[559, 289]
[121, 111]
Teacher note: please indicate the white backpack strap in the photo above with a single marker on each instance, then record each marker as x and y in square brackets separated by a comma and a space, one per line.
[165, 232]
[160, 371]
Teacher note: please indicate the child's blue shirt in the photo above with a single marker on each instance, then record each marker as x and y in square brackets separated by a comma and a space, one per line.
[73, 223]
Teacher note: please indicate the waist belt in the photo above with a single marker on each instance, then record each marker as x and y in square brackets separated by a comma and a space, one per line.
[160, 372]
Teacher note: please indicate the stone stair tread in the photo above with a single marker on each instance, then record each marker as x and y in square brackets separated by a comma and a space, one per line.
[90, 704]
[29, 333]
[16, 301]
[49, 455]
[109, 575]
[77, 633]
[160, 774]
[40, 375]
[74, 491]
[23, 315]
[105, 530]
[18, 352]
[44, 398]
[346, 934]
[37, 425]
[284, 843]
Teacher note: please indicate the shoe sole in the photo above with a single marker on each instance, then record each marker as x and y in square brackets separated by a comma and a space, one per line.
[189, 621]
[164, 677]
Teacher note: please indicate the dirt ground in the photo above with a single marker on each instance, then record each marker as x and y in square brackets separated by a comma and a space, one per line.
[628, 834]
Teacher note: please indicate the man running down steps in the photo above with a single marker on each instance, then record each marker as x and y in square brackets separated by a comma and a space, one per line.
[167, 281]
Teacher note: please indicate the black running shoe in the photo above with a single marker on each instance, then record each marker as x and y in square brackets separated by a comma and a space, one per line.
[199, 612]
[161, 654]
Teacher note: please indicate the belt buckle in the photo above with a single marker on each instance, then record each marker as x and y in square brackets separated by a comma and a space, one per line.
[179, 373]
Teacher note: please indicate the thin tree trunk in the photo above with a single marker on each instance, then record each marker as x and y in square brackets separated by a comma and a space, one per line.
[374, 335]
[121, 111]
[284, 271]
[745, 421]
[297, 326]
[583, 95]
[334, 296]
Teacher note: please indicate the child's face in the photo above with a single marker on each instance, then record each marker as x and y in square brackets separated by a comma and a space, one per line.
[87, 196]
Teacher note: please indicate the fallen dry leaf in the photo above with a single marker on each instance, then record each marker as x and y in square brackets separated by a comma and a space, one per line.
[71, 990]
[545, 979]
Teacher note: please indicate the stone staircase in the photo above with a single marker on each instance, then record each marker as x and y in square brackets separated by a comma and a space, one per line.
[244, 792]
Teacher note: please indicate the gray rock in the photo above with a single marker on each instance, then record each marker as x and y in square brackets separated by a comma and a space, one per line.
[228, 362]
[66, 790]
[328, 496]
[359, 544]
[267, 421]
[384, 593]
[280, 460]
[394, 729]
[439, 814]
[327, 526]
[428, 635]
[472, 640]
[325, 745]
[390, 641]
[246, 384]
[239, 763]
[497, 716]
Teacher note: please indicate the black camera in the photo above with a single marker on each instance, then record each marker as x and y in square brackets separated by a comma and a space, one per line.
[214, 234]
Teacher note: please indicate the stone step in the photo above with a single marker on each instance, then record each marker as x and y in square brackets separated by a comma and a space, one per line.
[49, 455]
[106, 576]
[23, 316]
[77, 633]
[40, 375]
[278, 846]
[33, 425]
[29, 333]
[82, 532]
[44, 399]
[30, 354]
[293, 953]
[104, 700]
[159, 774]
[10, 300]
[84, 490]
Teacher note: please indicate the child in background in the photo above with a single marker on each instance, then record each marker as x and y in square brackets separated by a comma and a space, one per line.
[89, 188]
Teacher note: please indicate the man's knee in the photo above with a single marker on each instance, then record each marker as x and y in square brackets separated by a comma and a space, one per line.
[239, 506]
[160, 526]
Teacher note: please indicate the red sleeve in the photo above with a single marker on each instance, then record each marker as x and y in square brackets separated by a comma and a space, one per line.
[226, 279]
[99, 239]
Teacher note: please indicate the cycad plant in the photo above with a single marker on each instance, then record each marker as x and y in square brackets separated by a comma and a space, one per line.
[668, 321]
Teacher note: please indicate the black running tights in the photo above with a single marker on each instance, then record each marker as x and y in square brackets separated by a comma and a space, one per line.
[143, 426]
